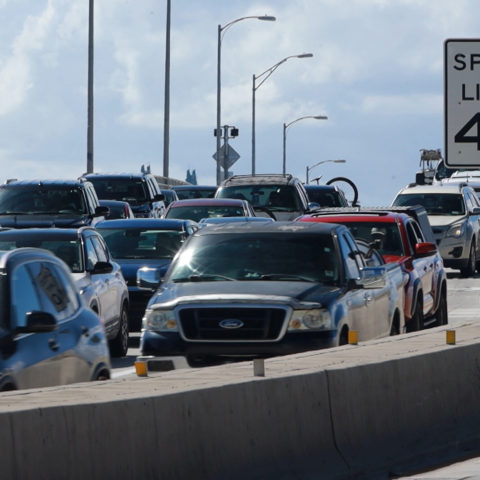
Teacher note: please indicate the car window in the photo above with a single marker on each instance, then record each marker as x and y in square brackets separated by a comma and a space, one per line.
[92, 257]
[41, 286]
[434, 203]
[351, 266]
[100, 248]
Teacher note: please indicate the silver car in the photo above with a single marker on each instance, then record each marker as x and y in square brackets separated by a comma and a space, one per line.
[454, 213]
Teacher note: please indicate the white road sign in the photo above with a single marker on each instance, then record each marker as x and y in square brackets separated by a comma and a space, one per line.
[462, 103]
[229, 158]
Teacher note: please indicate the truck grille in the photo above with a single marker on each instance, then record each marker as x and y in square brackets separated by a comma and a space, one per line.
[252, 324]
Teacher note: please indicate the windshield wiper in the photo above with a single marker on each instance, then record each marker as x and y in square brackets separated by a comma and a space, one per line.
[284, 276]
[203, 278]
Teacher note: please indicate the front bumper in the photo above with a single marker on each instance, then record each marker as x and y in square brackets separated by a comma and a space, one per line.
[171, 344]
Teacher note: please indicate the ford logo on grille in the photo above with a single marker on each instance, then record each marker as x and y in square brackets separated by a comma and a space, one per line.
[231, 323]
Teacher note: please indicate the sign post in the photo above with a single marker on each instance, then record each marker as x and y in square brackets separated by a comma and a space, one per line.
[462, 103]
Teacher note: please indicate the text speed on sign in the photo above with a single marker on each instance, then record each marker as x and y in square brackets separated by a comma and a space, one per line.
[462, 103]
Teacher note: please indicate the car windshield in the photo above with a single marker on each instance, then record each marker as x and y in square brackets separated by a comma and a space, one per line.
[258, 257]
[129, 190]
[273, 197]
[434, 203]
[142, 243]
[193, 192]
[196, 213]
[387, 233]
[33, 200]
[70, 251]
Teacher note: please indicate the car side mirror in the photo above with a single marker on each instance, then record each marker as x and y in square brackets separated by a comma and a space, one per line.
[476, 211]
[149, 278]
[37, 322]
[424, 249]
[102, 267]
[101, 211]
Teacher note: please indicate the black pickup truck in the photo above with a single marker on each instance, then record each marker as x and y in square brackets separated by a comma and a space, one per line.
[267, 289]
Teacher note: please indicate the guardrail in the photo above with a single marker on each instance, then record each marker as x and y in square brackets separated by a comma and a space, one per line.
[374, 409]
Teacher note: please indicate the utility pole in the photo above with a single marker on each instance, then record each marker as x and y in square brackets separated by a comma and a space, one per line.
[166, 111]
[90, 89]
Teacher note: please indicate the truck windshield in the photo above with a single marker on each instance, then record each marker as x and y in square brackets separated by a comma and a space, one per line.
[274, 197]
[258, 257]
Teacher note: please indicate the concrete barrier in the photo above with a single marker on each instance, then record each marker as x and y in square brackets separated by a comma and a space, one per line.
[364, 411]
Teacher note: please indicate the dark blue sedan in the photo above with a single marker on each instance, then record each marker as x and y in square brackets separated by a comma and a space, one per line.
[143, 242]
[48, 336]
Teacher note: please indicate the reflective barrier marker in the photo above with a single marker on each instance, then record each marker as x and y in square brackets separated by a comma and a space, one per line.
[450, 337]
[259, 367]
[141, 369]
[352, 337]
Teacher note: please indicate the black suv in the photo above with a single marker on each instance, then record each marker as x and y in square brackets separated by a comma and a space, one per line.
[49, 203]
[140, 190]
[282, 197]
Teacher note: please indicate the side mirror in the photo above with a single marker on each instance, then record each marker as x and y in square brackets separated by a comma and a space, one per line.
[101, 211]
[476, 211]
[102, 267]
[38, 322]
[158, 197]
[424, 249]
[149, 278]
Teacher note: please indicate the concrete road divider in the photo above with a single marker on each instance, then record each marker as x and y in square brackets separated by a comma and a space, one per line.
[370, 410]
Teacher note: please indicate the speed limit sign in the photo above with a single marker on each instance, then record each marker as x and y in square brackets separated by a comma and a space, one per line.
[462, 103]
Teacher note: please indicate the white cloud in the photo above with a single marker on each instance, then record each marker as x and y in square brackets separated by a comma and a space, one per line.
[414, 104]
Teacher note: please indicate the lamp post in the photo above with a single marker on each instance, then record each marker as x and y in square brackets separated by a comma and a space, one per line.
[319, 163]
[266, 74]
[218, 131]
[285, 126]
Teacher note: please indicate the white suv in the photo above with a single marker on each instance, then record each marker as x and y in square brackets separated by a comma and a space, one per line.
[454, 213]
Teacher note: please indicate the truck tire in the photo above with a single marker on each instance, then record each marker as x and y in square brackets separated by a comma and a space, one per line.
[442, 311]
[416, 322]
[469, 269]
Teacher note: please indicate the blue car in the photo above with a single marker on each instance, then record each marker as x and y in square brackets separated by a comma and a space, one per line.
[136, 243]
[48, 336]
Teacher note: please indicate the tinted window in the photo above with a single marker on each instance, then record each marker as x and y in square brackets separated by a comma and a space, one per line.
[132, 190]
[198, 212]
[142, 243]
[434, 203]
[258, 257]
[49, 200]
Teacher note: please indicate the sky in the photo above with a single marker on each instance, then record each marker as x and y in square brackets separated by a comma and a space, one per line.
[376, 73]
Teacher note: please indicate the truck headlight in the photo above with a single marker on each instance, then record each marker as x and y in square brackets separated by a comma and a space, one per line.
[160, 321]
[456, 231]
[316, 319]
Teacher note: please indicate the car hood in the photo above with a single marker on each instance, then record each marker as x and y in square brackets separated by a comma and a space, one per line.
[442, 220]
[32, 221]
[130, 267]
[259, 291]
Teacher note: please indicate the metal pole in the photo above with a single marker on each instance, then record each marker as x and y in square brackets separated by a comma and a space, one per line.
[253, 124]
[306, 177]
[166, 111]
[284, 149]
[224, 163]
[218, 131]
[90, 90]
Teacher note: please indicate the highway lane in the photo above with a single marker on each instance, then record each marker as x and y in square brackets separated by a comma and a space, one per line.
[463, 306]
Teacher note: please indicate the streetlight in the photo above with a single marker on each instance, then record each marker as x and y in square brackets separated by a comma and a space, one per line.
[218, 130]
[285, 126]
[319, 163]
[267, 74]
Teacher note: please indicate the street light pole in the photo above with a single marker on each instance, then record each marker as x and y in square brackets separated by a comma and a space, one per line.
[319, 163]
[166, 110]
[266, 74]
[90, 89]
[218, 130]
[285, 126]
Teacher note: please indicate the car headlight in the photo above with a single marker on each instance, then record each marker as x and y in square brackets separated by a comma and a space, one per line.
[457, 230]
[160, 321]
[316, 319]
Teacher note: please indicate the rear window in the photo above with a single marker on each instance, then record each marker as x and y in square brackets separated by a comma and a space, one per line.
[434, 203]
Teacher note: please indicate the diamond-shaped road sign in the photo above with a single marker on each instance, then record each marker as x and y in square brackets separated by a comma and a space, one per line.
[230, 157]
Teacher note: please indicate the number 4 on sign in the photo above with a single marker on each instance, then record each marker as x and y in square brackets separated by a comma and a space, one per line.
[462, 137]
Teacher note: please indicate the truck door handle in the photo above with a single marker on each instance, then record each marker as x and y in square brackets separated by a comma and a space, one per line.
[368, 298]
[52, 343]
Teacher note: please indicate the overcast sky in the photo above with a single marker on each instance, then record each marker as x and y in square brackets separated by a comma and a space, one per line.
[376, 72]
